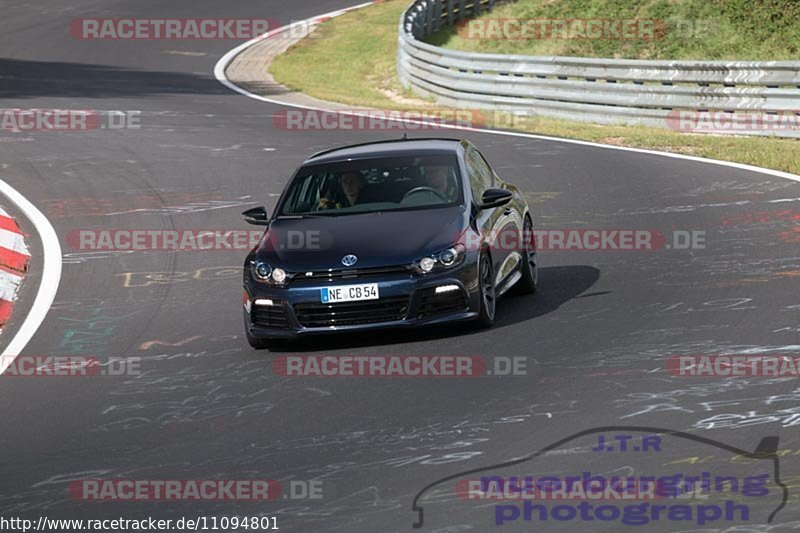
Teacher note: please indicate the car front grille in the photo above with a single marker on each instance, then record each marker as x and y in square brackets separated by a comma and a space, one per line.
[430, 303]
[316, 315]
[348, 273]
[269, 316]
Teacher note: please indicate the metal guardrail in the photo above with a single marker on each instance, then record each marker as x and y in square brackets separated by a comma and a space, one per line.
[741, 97]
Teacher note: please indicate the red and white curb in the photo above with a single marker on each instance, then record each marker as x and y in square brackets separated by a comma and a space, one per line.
[14, 259]
[50, 277]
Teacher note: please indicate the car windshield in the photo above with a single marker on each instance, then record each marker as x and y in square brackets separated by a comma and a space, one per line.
[370, 185]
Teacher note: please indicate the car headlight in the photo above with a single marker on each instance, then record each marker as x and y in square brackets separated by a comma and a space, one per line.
[448, 257]
[441, 260]
[279, 275]
[426, 264]
[261, 271]
[266, 274]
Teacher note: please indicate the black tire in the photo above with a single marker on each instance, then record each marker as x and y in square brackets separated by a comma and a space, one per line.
[529, 281]
[488, 292]
[260, 343]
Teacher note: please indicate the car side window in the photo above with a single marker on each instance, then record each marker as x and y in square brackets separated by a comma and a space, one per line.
[480, 175]
[487, 169]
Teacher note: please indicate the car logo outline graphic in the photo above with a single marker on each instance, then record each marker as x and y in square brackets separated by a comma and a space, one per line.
[766, 449]
[349, 260]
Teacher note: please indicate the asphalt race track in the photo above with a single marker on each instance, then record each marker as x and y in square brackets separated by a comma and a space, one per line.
[207, 406]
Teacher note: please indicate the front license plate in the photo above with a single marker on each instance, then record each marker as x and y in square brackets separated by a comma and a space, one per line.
[349, 293]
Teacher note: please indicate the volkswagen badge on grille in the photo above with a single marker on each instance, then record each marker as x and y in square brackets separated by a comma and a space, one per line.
[349, 260]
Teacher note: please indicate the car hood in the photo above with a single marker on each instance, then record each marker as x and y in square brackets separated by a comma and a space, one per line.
[376, 239]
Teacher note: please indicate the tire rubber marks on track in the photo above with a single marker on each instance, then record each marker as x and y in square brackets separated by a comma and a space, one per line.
[781, 408]
[222, 338]
[149, 344]
[169, 202]
[14, 259]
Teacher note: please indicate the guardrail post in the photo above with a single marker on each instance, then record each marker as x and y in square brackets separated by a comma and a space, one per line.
[428, 17]
[476, 8]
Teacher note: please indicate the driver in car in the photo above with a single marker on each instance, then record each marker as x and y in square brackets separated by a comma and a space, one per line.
[352, 185]
[436, 177]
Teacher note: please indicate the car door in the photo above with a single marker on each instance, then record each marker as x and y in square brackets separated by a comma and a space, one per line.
[490, 222]
[507, 228]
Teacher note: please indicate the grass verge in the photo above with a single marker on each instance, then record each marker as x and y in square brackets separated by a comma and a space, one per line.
[352, 61]
[734, 30]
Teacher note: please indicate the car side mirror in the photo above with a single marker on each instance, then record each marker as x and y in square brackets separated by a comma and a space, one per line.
[495, 198]
[256, 216]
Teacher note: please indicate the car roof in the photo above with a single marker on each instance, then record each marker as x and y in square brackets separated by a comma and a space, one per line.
[394, 147]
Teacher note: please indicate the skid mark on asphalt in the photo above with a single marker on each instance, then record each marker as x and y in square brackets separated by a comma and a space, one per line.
[149, 344]
[170, 202]
[210, 149]
[77, 258]
[696, 207]
[184, 53]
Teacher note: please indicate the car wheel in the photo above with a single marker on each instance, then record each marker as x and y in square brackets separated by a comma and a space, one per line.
[529, 281]
[256, 342]
[488, 294]
[260, 343]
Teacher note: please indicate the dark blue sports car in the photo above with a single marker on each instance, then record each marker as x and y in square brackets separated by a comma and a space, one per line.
[402, 233]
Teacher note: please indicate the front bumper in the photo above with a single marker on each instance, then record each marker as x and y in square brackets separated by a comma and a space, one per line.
[407, 300]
